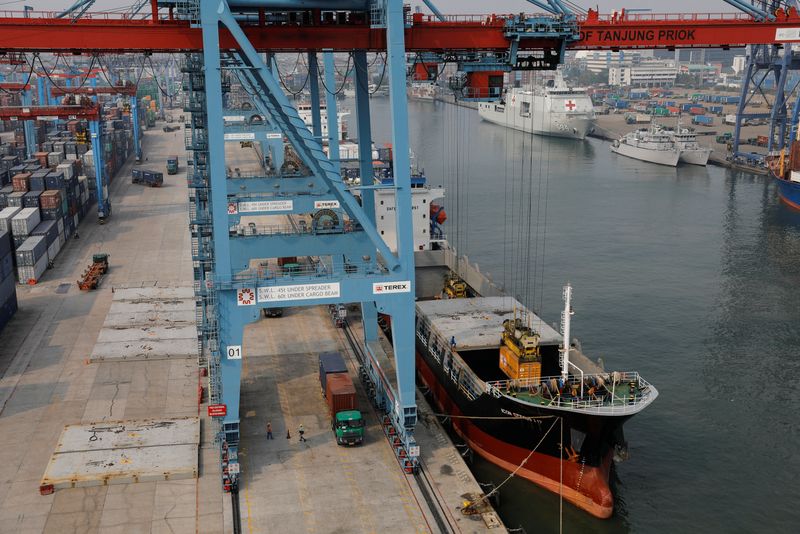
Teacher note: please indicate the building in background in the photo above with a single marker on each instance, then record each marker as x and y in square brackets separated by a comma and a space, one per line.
[600, 60]
[646, 73]
[739, 64]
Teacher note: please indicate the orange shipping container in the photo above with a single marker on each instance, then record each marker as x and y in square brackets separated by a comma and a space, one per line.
[511, 366]
[21, 182]
[341, 394]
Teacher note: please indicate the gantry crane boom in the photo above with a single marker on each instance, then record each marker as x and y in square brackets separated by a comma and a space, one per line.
[107, 32]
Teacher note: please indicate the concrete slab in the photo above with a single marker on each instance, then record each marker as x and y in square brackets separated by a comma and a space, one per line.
[46, 384]
[145, 350]
[122, 452]
[148, 323]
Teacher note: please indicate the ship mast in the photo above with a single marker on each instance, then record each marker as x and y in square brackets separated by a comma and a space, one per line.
[565, 320]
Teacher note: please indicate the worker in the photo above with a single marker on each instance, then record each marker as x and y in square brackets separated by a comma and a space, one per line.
[269, 430]
[453, 342]
[301, 431]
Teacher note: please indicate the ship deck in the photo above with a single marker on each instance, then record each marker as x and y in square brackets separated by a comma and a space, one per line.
[477, 323]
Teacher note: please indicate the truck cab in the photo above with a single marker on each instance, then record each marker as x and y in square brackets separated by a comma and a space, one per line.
[172, 165]
[349, 427]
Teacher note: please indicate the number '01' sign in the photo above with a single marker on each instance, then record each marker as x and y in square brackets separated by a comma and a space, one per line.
[234, 352]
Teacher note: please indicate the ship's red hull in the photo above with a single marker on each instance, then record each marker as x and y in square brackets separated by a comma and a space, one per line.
[584, 486]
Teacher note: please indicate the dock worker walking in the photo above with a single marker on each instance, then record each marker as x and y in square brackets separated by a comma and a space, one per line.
[269, 430]
[452, 342]
[301, 431]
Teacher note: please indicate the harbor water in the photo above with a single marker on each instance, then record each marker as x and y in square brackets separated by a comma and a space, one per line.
[687, 275]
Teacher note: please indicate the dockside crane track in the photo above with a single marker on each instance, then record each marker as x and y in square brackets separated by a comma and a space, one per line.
[435, 503]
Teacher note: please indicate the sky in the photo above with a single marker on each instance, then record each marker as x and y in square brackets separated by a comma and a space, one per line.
[453, 6]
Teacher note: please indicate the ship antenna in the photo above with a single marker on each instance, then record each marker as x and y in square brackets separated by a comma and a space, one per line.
[565, 325]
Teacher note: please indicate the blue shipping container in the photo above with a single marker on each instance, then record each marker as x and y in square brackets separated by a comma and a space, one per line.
[330, 362]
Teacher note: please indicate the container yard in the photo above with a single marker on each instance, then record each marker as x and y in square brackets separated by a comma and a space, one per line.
[257, 280]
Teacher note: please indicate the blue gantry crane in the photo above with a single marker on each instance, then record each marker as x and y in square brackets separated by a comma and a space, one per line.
[769, 66]
[355, 265]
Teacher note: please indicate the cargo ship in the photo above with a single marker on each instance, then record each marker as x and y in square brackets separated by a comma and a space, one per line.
[555, 109]
[786, 172]
[505, 377]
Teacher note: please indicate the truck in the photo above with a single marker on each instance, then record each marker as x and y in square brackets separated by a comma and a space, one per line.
[347, 422]
[172, 164]
[703, 120]
[637, 118]
[143, 176]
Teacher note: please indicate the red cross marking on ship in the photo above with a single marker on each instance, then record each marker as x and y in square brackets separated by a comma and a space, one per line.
[570, 105]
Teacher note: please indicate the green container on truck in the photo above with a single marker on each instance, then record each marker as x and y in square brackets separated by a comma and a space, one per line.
[172, 165]
[347, 421]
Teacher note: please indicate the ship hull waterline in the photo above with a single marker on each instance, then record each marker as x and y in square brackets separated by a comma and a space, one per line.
[556, 125]
[669, 158]
[695, 157]
[585, 486]
[789, 192]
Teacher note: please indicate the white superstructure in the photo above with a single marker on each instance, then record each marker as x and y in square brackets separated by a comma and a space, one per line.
[648, 144]
[555, 109]
[691, 151]
[422, 196]
[421, 91]
[304, 110]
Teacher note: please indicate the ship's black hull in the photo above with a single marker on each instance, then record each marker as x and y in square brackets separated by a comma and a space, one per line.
[499, 429]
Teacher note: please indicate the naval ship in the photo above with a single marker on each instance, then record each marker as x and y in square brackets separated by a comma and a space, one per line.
[556, 109]
[518, 394]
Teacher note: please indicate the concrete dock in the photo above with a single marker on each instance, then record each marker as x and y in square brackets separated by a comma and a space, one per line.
[51, 390]
[47, 384]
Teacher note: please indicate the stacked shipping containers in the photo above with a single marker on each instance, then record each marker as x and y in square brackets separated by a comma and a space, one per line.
[8, 293]
[43, 199]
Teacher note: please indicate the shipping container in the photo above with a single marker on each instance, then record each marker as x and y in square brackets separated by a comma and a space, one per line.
[31, 274]
[48, 229]
[5, 243]
[697, 110]
[330, 363]
[50, 199]
[55, 180]
[729, 119]
[20, 182]
[515, 369]
[16, 199]
[32, 250]
[25, 221]
[6, 216]
[53, 249]
[31, 199]
[341, 393]
[703, 120]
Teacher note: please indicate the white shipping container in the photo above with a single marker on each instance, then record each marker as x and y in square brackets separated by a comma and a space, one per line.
[730, 119]
[68, 169]
[27, 273]
[5, 218]
[25, 221]
[53, 249]
[54, 158]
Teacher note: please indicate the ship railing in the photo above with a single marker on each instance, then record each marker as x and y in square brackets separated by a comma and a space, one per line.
[616, 396]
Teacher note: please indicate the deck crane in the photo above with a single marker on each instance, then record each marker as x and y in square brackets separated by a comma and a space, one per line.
[224, 38]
